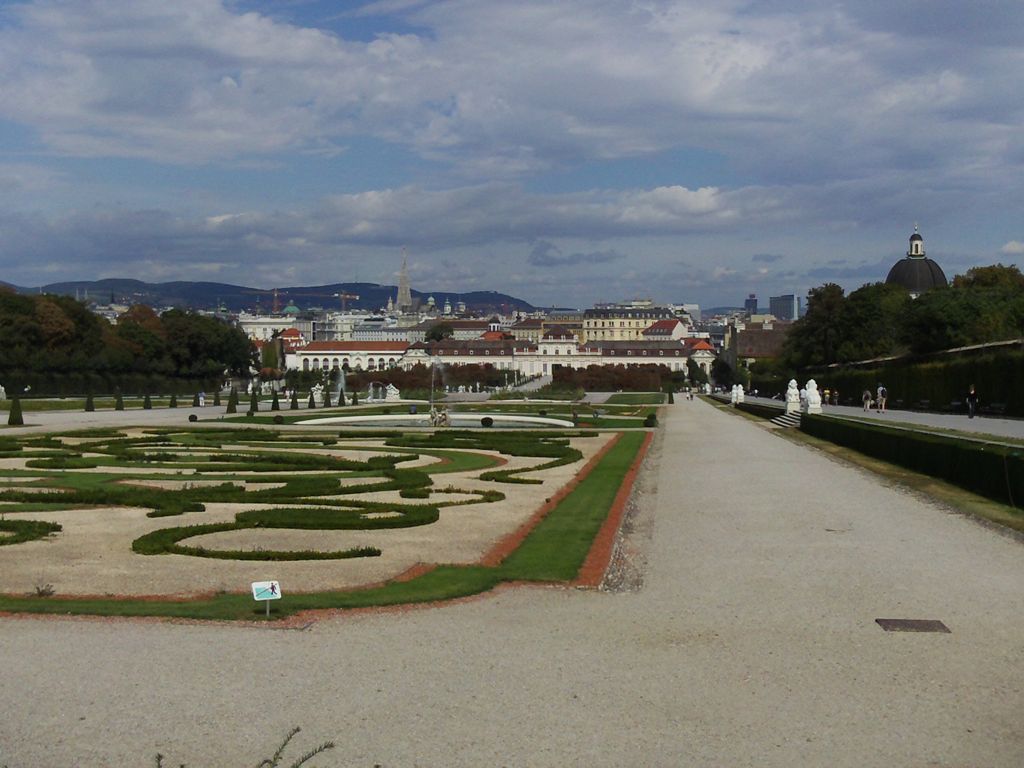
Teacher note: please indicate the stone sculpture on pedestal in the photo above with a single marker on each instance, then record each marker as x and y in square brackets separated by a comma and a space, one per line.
[792, 397]
[813, 398]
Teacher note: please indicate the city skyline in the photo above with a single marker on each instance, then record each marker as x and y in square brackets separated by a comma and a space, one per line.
[565, 153]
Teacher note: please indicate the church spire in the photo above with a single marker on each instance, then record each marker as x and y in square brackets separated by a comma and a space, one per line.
[404, 292]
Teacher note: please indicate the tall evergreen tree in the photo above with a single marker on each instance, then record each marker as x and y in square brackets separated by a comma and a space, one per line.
[119, 401]
[147, 403]
[233, 401]
[254, 399]
[275, 404]
[14, 418]
[312, 402]
[90, 406]
[327, 397]
[295, 401]
[174, 400]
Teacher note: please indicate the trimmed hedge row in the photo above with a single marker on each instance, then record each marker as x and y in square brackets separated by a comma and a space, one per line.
[989, 469]
[760, 409]
[26, 530]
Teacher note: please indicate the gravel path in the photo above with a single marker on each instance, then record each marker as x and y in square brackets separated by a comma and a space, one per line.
[751, 642]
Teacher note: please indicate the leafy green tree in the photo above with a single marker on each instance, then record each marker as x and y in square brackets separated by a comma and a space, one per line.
[814, 339]
[695, 373]
[722, 373]
[870, 324]
[439, 332]
[995, 276]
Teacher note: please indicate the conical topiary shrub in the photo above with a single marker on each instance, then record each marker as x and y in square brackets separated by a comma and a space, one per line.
[254, 401]
[341, 397]
[275, 404]
[312, 401]
[355, 398]
[216, 397]
[119, 402]
[195, 400]
[232, 401]
[147, 403]
[90, 406]
[295, 401]
[14, 418]
[174, 401]
[327, 398]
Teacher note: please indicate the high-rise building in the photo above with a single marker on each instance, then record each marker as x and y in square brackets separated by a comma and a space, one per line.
[750, 305]
[785, 307]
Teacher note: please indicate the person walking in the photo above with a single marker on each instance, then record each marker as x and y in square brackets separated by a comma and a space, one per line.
[972, 402]
[882, 396]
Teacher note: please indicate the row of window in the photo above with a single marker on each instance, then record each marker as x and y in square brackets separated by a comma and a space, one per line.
[330, 363]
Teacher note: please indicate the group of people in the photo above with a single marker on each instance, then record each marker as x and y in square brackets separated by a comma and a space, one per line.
[881, 396]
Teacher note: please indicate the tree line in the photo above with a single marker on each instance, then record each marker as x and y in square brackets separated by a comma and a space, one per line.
[878, 320]
[54, 345]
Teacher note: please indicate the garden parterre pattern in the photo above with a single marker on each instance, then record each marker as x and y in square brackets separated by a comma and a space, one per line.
[122, 488]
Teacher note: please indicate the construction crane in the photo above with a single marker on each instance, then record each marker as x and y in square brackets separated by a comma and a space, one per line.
[276, 307]
[345, 297]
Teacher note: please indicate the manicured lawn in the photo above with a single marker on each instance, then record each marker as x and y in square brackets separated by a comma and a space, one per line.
[636, 398]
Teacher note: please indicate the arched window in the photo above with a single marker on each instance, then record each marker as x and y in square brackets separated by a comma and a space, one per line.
[305, 363]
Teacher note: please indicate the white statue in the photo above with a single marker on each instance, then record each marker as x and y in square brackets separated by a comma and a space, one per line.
[3, 392]
[733, 396]
[392, 394]
[739, 393]
[317, 391]
[813, 403]
[792, 397]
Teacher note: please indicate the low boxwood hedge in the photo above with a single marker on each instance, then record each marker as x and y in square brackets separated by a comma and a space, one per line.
[989, 469]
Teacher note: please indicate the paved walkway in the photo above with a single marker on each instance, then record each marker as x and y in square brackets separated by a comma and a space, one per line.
[751, 643]
[987, 425]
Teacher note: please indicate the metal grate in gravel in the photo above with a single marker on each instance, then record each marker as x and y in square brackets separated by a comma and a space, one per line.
[912, 625]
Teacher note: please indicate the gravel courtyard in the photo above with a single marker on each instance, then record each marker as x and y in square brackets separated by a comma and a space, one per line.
[751, 642]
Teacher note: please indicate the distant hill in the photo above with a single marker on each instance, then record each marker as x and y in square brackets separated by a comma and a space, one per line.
[204, 295]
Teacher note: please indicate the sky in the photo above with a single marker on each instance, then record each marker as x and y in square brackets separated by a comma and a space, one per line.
[564, 152]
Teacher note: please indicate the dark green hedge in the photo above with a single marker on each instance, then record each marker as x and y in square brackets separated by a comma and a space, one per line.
[932, 383]
[759, 409]
[989, 469]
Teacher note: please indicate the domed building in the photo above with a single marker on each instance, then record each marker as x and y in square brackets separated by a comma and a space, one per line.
[917, 273]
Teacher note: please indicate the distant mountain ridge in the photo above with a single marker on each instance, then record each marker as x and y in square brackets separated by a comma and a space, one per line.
[235, 298]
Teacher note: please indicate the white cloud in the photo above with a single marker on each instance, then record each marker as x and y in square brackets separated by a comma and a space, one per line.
[503, 89]
[1013, 248]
